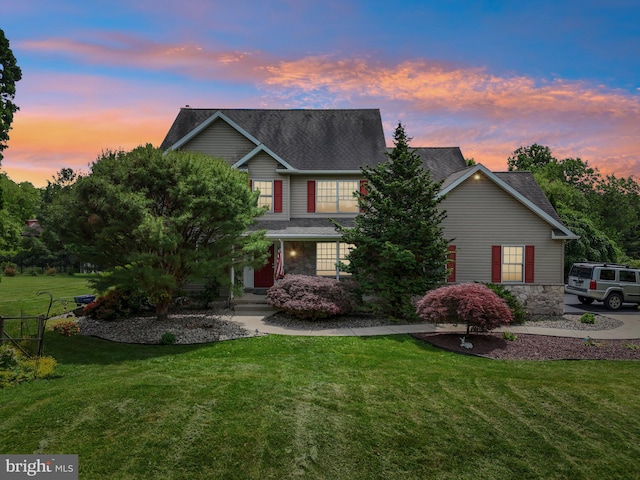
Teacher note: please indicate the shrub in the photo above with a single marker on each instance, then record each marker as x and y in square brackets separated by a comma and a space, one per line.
[116, 304]
[471, 303]
[588, 318]
[518, 311]
[308, 297]
[16, 368]
[10, 270]
[67, 328]
[209, 293]
[40, 367]
[509, 336]
[8, 357]
[31, 271]
[167, 338]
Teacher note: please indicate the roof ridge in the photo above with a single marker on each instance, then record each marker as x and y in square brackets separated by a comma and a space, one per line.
[215, 109]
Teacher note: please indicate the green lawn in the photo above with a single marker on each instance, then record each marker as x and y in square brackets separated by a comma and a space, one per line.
[20, 294]
[282, 407]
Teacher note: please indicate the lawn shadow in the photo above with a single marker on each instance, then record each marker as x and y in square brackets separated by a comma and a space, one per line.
[84, 350]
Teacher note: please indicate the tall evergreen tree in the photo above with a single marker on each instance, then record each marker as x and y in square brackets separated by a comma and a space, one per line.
[399, 249]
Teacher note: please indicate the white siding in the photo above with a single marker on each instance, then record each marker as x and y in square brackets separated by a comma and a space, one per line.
[480, 214]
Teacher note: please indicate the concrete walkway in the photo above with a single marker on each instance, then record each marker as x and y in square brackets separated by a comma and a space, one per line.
[629, 329]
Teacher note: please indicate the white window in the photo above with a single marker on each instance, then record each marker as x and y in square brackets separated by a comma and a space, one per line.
[513, 264]
[337, 196]
[328, 255]
[266, 193]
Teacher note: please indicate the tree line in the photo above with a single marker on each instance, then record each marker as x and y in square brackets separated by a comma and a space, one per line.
[604, 210]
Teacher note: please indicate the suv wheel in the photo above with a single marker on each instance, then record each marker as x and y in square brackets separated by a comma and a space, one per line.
[585, 300]
[613, 301]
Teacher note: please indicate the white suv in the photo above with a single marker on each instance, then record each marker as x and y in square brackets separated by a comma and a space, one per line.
[609, 283]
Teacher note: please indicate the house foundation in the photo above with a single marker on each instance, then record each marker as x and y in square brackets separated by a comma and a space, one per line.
[540, 300]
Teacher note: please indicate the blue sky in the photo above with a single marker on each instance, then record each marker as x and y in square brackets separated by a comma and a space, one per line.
[485, 76]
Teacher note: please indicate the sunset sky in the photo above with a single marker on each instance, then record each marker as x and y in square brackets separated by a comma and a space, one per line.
[487, 76]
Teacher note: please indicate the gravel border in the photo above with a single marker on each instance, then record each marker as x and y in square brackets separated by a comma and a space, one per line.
[197, 327]
[572, 322]
[188, 327]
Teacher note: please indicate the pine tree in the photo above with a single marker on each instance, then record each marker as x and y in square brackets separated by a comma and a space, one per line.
[400, 252]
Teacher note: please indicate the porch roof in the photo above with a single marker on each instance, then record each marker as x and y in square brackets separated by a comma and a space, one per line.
[302, 228]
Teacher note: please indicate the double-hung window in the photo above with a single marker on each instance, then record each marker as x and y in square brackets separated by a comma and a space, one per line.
[270, 194]
[513, 264]
[328, 255]
[336, 196]
[265, 187]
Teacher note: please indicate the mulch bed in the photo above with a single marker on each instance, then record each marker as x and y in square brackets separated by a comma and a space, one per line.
[535, 347]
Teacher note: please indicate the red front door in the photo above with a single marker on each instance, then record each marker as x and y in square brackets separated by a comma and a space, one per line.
[263, 278]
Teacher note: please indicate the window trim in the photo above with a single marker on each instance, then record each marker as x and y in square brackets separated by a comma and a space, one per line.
[528, 264]
[522, 264]
[276, 193]
[337, 201]
[337, 250]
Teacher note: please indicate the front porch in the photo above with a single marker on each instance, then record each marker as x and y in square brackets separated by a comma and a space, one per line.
[251, 302]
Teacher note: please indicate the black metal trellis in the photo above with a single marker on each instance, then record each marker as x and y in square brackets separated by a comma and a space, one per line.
[22, 335]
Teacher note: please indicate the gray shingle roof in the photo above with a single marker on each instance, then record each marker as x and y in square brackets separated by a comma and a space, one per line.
[440, 161]
[526, 185]
[308, 227]
[337, 140]
[305, 139]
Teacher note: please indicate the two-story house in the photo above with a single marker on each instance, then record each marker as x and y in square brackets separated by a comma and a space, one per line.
[306, 165]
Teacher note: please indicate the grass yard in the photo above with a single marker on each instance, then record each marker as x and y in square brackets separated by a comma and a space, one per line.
[19, 294]
[282, 407]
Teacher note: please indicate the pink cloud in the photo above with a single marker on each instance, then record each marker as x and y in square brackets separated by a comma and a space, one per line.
[486, 114]
[489, 116]
[189, 59]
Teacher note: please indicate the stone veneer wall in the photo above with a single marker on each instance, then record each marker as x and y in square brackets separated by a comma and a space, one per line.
[540, 300]
[304, 261]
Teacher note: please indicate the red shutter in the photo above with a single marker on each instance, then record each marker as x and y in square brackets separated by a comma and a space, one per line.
[311, 196]
[251, 185]
[529, 262]
[451, 263]
[363, 190]
[277, 196]
[496, 264]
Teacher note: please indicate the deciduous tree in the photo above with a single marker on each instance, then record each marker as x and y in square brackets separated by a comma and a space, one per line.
[10, 73]
[603, 210]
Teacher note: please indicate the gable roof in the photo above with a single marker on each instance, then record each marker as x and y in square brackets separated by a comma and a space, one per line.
[334, 140]
[520, 185]
[440, 161]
